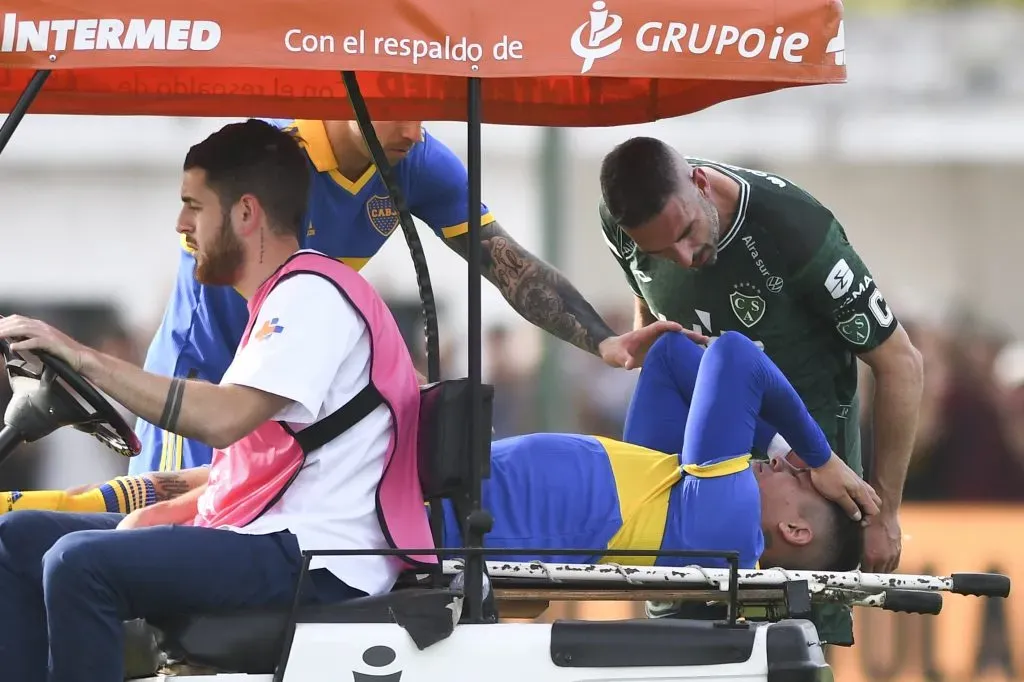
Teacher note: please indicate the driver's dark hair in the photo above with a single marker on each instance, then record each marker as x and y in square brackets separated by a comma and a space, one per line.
[638, 177]
[257, 158]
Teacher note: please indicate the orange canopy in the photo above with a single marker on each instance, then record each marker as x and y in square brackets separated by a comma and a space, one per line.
[544, 62]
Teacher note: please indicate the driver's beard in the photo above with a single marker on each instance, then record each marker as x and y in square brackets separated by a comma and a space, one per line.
[220, 263]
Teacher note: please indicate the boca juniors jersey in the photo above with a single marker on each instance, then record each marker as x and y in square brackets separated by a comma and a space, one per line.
[551, 491]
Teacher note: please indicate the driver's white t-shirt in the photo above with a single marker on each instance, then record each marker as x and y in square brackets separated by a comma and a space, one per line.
[310, 344]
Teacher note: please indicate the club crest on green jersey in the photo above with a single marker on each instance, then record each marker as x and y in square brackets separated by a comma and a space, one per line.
[747, 304]
[856, 329]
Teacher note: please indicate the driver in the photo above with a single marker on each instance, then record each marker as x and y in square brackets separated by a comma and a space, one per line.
[550, 491]
[317, 336]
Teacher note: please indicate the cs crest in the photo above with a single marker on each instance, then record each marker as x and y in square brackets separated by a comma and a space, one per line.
[747, 304]
[382, 214]
[856, 329]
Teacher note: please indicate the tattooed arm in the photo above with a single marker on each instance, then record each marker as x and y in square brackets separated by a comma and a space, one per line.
[167, 484]
[535, 290]
[172, 484]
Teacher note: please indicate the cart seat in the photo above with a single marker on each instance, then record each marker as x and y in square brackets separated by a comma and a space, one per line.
[252, 641]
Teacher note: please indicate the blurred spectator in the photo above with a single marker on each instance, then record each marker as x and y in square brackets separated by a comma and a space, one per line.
[603, 393]
[513, 388]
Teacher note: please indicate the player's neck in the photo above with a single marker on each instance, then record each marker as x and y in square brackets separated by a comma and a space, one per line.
[725, 195]
[263, 262]
[349, 149]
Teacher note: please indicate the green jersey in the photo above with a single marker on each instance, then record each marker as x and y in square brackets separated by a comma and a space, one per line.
[787, 278]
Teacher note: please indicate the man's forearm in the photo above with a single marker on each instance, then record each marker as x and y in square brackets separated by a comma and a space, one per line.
[175, 511]
[171, 484]
[537, 291]
[894, 413]
[147, 396]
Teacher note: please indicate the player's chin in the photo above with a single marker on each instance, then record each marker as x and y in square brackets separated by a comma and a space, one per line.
[706, 257]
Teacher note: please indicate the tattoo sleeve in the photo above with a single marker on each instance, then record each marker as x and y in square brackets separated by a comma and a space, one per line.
[535, 290]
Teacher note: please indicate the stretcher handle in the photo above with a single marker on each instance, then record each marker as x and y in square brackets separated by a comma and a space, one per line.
[909, 601]
[981, 584]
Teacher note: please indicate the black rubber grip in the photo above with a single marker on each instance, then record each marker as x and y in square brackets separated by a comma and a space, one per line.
[981, 584]
[911, 601]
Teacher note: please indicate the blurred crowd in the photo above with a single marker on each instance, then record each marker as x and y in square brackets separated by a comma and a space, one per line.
[969, 445]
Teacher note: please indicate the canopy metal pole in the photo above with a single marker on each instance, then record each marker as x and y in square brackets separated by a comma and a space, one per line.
[553, 398]
[28, 95]
[478, 441]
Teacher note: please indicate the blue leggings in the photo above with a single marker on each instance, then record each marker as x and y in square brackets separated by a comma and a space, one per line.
[717, 403]
[67, 581]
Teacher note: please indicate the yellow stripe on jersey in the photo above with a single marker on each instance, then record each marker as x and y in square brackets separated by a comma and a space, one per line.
[726, 467]
[172, 451]
[356, 264]
[463, 228]
[643, 482]
[179, 450]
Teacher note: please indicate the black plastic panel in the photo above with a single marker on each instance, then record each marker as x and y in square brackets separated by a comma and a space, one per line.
[647, 643]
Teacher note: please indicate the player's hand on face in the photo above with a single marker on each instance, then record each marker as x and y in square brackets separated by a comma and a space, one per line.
[883, 544]
[629, 350]
[26, 334]
[839, 483]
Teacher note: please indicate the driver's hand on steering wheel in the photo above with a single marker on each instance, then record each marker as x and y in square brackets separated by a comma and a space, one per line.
[27, 334]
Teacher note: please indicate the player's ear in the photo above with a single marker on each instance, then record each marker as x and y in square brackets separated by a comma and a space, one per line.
[700, 180]
[246, 214]
[797, 533]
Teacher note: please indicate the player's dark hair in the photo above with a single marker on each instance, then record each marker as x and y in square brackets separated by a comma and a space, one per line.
[257, 158]
[638, 177]
[838, 541]
[843, 542]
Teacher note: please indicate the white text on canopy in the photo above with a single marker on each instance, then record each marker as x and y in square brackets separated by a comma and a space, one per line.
[674, 36]
[415, 50]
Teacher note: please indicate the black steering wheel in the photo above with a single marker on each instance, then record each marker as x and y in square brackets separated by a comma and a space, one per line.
[48, 394]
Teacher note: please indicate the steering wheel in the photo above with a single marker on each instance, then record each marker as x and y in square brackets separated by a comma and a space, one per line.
[48, 394]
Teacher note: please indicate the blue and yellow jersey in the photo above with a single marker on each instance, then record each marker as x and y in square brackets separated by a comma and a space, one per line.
[348, 220]
[569, 491]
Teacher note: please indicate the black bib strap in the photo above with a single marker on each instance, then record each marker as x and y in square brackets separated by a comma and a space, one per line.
[321, 433]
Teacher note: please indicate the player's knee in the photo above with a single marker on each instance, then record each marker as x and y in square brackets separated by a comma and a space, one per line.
[735, 347]
[673, 348]
[20, 532]
[72, 559]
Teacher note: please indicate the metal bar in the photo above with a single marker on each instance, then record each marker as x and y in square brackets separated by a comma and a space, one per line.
[475, 564]
[28, 95]
[553, 397]
[293, 618]
[419, 258]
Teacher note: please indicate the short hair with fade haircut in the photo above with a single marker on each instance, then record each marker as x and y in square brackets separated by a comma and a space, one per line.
[838, 540]
[844, 541]
[257, 158]
[638, 177]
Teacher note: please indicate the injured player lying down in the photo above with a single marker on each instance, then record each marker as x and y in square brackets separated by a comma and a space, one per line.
[685, 480]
